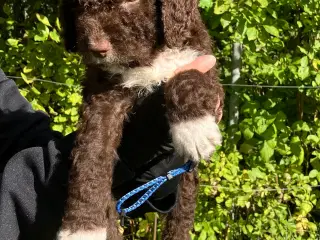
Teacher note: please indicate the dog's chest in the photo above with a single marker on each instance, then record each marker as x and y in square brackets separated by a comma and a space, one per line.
[161, 69]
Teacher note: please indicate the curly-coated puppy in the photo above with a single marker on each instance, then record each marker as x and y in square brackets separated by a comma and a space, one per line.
[130, 47]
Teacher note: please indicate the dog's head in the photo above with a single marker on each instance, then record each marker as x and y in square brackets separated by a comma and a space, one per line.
[110, 31]
[126, 32]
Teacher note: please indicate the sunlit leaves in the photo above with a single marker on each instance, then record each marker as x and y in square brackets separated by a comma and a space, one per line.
[263, 3]
[206, 4]
[43, 19]
[252, 33]
[266, 151]
[13, 42]
[222, 6]
[272, 30]
[36, 54]
[280, 48]
[54, 36]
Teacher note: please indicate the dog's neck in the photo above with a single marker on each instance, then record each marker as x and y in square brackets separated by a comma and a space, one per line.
[161, 69]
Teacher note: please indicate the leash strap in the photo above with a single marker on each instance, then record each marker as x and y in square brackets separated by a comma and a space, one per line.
[152, 186]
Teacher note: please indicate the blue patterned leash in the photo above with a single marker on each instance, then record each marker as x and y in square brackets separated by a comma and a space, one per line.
[152, 186]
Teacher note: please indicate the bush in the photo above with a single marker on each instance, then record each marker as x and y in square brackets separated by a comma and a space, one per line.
[262, 183]
[31, 48]
[275, 144]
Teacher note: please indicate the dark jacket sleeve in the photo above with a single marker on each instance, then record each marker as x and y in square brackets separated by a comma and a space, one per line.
[20, 126]
[34, 169]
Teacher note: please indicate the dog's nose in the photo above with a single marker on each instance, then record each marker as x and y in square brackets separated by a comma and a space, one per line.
[101, 47]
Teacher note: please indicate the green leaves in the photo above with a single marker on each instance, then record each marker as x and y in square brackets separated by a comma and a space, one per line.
[305, 207]
[222, 6]
[300, 126]
[54, 36]
[7, 9]
[313, 173]
[225, 20]
[35, 52]
[263, 3]
[297, 150]
[272, 30]
[280, 133]
[266, 151]
[13, 42]
[247, 133]
[43, 19]
[252, 33]
[75, 99]
[205, 4]
[25, 78]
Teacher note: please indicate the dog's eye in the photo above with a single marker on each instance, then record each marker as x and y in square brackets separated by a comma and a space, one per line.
[129, 5]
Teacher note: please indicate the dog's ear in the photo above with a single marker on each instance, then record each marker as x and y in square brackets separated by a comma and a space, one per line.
[67, 19]
[180, 18]
[183, 25]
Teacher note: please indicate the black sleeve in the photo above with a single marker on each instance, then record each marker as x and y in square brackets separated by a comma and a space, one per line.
[33, 192]
[20, 126]
[33, 169]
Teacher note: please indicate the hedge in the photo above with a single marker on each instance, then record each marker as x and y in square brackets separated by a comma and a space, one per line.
[263, 181]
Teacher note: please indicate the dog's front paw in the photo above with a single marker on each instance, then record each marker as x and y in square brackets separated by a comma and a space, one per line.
[98, 234]
[196, 139]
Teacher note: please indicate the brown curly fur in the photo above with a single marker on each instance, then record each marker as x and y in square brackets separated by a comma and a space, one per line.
[136, 38]
[105, 106]
[180, 221]
[182, 91]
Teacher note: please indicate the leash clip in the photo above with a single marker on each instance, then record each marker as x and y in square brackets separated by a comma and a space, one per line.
[192, 166]
[122, 217]
[169, 176]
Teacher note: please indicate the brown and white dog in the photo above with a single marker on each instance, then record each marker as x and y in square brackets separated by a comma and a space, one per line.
[130, 47]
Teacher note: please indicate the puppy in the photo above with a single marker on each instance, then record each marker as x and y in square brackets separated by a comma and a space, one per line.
[130, 48]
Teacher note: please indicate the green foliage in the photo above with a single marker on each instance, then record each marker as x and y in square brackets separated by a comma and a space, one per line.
[261, 183]
[263, 178]
[31, 48]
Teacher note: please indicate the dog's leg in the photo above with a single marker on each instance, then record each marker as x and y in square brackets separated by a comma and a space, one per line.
[194, 104]
[90, 210]
[180, 221]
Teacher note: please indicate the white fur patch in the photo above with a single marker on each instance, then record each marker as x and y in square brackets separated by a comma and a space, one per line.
[196, 139]
[98, 234]
[161, 69]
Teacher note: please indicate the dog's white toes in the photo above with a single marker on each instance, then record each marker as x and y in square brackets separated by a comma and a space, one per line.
[196, 139]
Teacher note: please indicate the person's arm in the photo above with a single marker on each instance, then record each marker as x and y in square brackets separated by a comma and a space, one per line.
[33, 168]
[20, 125]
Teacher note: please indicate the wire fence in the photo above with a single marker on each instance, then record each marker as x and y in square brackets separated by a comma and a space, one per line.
[223, 84]
[257, 189]
[46, 81]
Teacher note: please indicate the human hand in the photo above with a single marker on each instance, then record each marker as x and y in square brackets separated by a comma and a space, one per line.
[202, 64]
